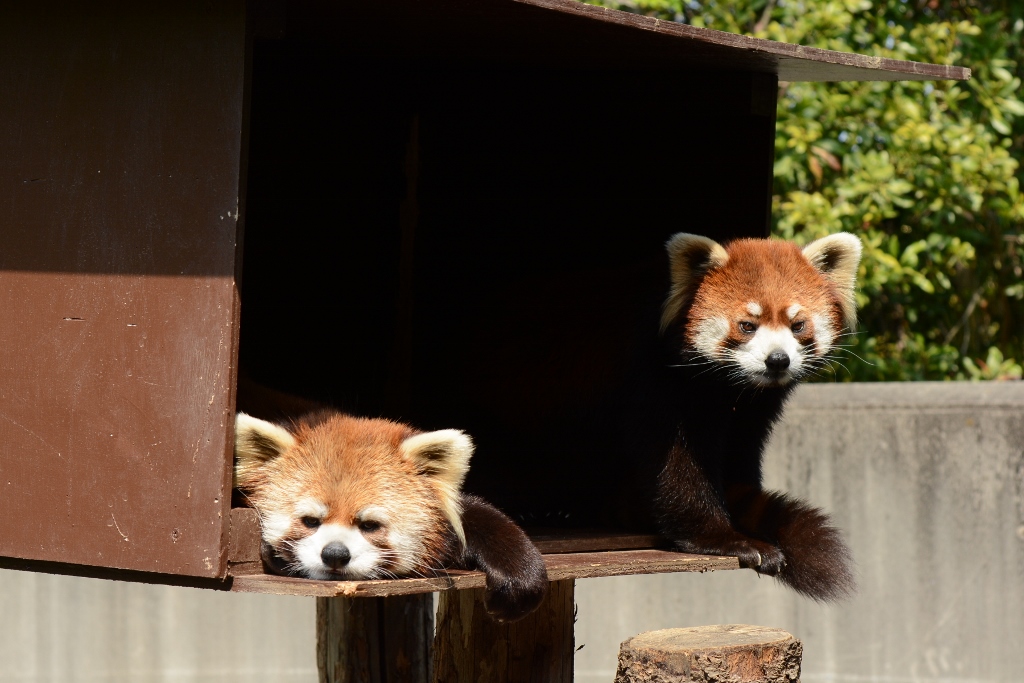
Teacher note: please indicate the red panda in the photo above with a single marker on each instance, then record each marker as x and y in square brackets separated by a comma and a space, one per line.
[344, 498]
[743, 324]
[602, 402]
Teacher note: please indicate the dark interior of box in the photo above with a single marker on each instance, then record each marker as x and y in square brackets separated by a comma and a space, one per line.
[475, 243]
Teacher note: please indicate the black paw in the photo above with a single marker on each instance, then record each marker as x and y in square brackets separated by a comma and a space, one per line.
[764, 558]
[761, 557]
[507, 601]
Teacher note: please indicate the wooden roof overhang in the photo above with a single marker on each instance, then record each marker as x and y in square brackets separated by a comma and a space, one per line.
[588, 36]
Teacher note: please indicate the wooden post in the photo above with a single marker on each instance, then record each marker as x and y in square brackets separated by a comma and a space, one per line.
[374, 640]
[733, 653]
[470, 647]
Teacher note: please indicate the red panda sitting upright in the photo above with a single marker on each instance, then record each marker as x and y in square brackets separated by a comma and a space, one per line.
[743, 324]
[345, 498]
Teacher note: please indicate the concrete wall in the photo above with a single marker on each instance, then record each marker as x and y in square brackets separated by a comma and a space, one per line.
[60, 629]
[928, 482]
[926, 479]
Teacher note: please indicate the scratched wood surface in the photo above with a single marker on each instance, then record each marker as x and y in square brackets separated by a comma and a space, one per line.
[121, 161]
[470, 647]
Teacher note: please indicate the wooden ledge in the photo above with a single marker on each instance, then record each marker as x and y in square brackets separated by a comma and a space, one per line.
[249, 577]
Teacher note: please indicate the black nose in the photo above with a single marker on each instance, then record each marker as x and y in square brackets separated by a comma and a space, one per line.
[335, 555]
[777, 361]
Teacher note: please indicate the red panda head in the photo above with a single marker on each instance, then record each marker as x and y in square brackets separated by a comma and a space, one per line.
[762, 308]
[344, 498]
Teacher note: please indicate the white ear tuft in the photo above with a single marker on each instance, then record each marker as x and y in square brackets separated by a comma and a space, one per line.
[256, 443]
[690, 257]
[837, 258]
[443, 456]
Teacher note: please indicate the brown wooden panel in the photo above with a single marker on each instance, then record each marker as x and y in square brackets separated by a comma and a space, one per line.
[582, 541]
[120, 147]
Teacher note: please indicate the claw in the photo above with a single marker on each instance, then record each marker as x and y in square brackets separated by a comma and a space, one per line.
[758, 562]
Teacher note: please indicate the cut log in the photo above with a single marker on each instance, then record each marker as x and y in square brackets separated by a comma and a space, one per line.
[374, 640]
[711, 654]
[470, 647]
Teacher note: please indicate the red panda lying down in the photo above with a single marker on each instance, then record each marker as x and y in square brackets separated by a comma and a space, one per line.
[344, 498]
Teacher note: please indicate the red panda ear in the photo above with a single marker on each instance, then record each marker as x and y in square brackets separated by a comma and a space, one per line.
[443, 457]
[690, 257]
[837, 257]
[256, 443]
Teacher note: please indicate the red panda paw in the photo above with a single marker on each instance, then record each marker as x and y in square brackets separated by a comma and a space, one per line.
[763, 558]
[512, 600]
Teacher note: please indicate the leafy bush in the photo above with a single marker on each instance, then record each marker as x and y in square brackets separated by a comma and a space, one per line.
[926, 173]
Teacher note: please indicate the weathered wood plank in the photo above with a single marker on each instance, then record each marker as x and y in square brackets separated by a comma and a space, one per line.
[380, 640]
[245, 578]
[592, 541]
[791, 62]
[470, 647]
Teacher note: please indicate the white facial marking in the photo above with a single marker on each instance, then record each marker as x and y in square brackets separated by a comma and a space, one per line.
[751, 355]
[276, 526]
[364, 556]
[824, 335]
[710, 333]
[310, 507]
[373, 514]
[792, 311]
[754, 308]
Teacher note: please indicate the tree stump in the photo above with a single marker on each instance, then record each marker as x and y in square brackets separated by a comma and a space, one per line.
[374, 640]
[711, 654]
[470, 647]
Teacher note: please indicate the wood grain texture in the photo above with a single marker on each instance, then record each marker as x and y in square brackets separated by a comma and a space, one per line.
[732, 653]
[792, 62]
[120, 152]
[581, 541]
[470, 647]
[250, 579]
[244, 536]
[379, 640]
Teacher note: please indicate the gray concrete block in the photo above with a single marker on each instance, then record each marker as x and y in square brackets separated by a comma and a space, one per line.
[927, 481]
[60, 629]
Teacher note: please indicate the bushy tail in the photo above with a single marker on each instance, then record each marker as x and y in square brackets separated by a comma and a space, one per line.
[818, 563]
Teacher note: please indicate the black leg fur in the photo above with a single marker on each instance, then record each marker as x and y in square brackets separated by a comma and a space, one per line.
[817, 560]
[769, 532]
[516, 576]
[692, 513]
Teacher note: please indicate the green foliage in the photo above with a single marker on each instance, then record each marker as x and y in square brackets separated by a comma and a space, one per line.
[926, 173]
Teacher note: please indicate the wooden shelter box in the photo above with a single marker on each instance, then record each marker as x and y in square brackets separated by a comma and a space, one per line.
[421, 209]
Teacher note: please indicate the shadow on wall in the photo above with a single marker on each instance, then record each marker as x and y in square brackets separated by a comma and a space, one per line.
[62, 629]
[927, 481]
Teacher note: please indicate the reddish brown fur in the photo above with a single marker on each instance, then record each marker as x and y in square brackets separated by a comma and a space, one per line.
[771, 273]
[349, 464]
[353, 463]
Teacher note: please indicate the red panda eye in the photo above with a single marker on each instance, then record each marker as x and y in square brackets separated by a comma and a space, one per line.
[797, 328]
[748, 327]
[310, 522]
[369, 526]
